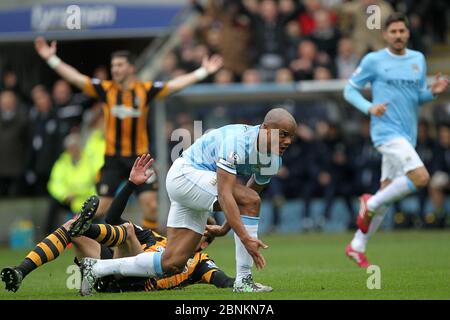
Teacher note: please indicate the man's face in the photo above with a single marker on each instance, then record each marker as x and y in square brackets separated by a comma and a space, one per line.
[8, 101]
[121, 69]
[62, 93]
[397, 35]
[280, 136]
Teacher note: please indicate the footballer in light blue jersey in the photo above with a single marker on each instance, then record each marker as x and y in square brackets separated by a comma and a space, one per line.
[398, 79]
[233, 148]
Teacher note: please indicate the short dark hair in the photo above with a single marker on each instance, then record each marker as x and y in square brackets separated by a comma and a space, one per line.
[124, 54]
[396, 17]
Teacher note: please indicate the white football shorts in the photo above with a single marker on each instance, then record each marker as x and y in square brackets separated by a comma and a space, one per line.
[398, 158]
[192, 194]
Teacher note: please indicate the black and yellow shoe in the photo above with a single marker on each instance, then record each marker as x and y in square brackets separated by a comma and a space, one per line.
[12, 277]
[84, 219]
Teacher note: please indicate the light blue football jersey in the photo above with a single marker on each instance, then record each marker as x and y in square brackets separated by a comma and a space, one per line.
[401, 82]
[233, 148]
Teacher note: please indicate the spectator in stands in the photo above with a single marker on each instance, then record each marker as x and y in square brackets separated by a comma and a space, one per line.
[186, 36]
[322, 73]
[440, 186]
[441, 113]
[305, 171]
[325, 35]
[425, 149]
[251, 77]
[268, 25]
[10, 81]
[284, 75]
[366, 161]
[223, 77]
[365, 39]
[346, 61]
[249, 112]
[101, 73]
[45, 144]
[416, 39]
[69, 106]
[436, 13]
[187, 56]
[232, 31]
[306, 18]
[13, 143]
[303, 66]
[72, 181]
[293, 37]
[168, 66]
[337, 172]
[93, 136]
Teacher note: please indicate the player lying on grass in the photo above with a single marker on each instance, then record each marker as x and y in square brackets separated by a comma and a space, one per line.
[204, 180]
[128, 240]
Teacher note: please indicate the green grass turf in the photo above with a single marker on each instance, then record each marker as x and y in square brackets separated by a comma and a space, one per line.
[414, 265]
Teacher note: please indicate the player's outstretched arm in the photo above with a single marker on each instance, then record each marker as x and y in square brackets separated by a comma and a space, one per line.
[225, 183]
[140, 172]
[69, 73]
[209, 66]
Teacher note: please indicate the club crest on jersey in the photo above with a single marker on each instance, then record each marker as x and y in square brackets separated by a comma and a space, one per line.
[357, 71]
[415, 67]
[233, 158]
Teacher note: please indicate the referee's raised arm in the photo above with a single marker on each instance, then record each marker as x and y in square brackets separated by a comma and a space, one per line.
[69, 73]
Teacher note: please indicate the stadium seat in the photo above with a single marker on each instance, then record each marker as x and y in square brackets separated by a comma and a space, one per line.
[339, 217]
[410, 205]
[290, 217]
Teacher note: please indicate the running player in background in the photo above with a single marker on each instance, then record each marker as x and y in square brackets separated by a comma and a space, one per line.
[126, 109]
[204, 180]
[398, 79]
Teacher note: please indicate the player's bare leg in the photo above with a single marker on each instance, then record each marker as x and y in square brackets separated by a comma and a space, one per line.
[249, 203]
[131, 246]
[148, 201]
[105, 203]
[181, 244]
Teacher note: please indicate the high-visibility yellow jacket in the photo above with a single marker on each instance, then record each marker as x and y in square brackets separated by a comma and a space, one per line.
[78, 179]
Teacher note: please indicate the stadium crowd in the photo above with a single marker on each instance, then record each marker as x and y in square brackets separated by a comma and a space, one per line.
[261, 41]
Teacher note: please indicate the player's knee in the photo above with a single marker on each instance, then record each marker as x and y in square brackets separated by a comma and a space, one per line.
[173, 264]
[422, 179]
[252, 204]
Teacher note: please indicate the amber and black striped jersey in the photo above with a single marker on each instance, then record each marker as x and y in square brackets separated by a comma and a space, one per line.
[150, 240]
[126, 113]
[199, 269]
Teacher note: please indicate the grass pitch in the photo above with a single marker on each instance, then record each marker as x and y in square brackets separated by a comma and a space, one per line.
[414, 265]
